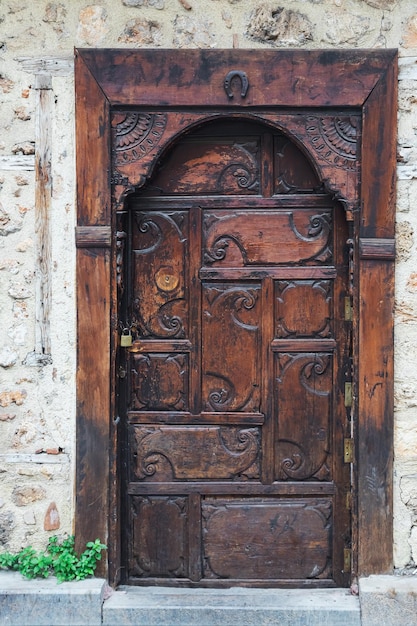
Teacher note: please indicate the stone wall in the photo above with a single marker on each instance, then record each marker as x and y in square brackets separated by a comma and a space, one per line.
[37, 304]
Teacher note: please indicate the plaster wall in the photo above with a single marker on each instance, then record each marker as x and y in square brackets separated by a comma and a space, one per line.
[37, 363]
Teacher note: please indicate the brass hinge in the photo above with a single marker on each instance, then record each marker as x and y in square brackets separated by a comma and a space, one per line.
[348, 309]
[347, 560]
[348, 394]
[348, 500]
[348, 452]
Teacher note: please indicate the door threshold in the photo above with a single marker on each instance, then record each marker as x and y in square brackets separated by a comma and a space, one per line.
[169, 606]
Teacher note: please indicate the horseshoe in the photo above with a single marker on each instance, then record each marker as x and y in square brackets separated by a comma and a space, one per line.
[243, 81]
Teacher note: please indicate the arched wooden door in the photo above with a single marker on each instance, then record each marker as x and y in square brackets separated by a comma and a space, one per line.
[218, 448]
[233, 403]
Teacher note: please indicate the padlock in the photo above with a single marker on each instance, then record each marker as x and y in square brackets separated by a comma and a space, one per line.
[126, 338]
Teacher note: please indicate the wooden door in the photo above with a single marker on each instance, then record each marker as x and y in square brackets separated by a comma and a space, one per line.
[339, 107]
[233, 404]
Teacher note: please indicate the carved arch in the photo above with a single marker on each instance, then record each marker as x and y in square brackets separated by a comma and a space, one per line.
[141, 139]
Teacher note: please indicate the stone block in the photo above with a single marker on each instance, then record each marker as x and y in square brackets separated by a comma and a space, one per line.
[47, 603]
[158, 606]
[388, 600]
[282, 26]
[141, 32]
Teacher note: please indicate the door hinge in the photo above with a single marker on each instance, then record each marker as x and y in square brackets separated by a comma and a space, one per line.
[347, 560]
[348, 309]
[348, 452]
[348, 500]
[348, 394]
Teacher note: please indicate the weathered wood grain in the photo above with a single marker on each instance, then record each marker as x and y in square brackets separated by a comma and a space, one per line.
[43, 204]
[375, 335]
[184, 77]
[93, 320]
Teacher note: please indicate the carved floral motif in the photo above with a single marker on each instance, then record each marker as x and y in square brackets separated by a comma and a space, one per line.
[334, 139]
[136, 134]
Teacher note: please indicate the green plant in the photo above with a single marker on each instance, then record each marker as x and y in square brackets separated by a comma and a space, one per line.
[59, 559]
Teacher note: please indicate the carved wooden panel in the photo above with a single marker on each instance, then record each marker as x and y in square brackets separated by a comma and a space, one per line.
[303, 404]
[159, 381]
[218, 165]
[330, 142]
[335, 138]
[135, 134]
[267, 538]
[244, 238]
[293, 173]
[139, 138]
[231, 377]
[168, 453]
[159, 242]
[159, 533]
[303, 308]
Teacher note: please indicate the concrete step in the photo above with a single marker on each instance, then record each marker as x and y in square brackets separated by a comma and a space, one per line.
[45, 602]
[164, 606]
[382, 601]
[388, 600]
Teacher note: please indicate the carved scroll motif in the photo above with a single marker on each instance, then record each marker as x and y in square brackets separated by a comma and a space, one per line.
[244, 171]
[159, 253]
[195, 453]
[135, 134]
[304, 407]
[262, 238]
[293, 172]
[231, 380]
[217, 165]
[334, 139]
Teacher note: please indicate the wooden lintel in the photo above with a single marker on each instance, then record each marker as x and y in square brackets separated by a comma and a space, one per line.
[55, 66]
[381, 249]
[93, 236]
[18, 162]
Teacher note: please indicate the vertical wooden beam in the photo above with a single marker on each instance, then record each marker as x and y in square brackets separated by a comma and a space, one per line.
[43, 201]
[93, 302]
[379, 135]
[375, 340]
[43, 69]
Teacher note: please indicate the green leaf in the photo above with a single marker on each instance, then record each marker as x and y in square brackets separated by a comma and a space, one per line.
[58, 558]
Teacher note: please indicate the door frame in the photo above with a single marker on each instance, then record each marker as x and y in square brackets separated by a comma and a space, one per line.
[363, 81]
